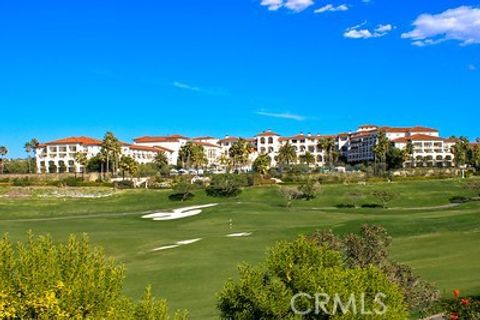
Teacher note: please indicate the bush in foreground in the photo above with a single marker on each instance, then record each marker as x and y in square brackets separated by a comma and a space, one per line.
[43, 280]
[301, 266]
[371, 248]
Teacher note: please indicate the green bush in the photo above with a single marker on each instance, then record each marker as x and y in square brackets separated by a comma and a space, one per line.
[22, 182]
[124, 184]
[372, 205]
[459, 199]
[370, 248]
[182, 191]
[226, 185]
[300, 266]
[345, 205]
[43, 280]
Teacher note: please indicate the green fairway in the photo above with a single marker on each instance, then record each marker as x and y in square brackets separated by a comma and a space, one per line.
[440, 241]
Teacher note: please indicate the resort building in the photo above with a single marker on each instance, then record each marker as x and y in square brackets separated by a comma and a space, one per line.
[172, 143]
[427, 148]
[362, 142]
[60, 155]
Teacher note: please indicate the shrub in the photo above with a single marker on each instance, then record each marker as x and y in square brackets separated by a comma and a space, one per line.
[226, 185]
[290, 194]
[459, 199]
[370, 248]
[44, 280]
[300, 266]
[182, 191]
[309, 189]
[124, 184]
[372, 205]
[73, 182]
[345, 205]
[383, 196]
[22, 182]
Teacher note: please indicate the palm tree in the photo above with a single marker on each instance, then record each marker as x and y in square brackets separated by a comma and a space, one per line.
[410, 152]
[30, 146]
[307, 158]
[460, 150]
[81, 158]
[128, 164]
[380, 149]
[3, 153]
[328, 146]
[160, 160]
[191, 155]
[262, 164]
[239, 152]
[111, 150]
[226, 162]
[287, 154]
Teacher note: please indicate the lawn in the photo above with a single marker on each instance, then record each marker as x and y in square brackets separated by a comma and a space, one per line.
[442, 243]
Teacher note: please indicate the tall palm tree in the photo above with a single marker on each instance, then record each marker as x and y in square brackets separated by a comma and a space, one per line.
[3, 153]
[160, 160]
[381, 148]
[460, 150]
[111, 150]
[128, 164]
[262, 164]
[328, 146]
[410, 152]
[191, 155]
[30, 147]
[81, 158]
[307, 158]
[287, 154]
[226, 162]
[239, 153]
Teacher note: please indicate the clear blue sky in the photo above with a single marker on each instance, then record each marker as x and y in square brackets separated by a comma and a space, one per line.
[235, 67]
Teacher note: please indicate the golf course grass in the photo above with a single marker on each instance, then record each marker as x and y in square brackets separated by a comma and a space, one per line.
[440, 241]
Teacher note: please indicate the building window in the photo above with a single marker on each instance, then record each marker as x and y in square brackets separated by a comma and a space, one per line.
[270, 140]
[262, 140]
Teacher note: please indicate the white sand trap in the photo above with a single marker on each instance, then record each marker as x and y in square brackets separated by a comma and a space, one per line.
[239, 234]
[166, 247]
[178, 244]
[188, 241]
[178, 213]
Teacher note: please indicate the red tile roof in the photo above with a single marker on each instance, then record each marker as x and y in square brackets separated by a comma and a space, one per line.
[408, 129]
[170, 138]
[267, 133]
[204, 138]
[87, 141]
[229, 139]
[368, 126]
[145, 148]
[419, 137]
[206, 144]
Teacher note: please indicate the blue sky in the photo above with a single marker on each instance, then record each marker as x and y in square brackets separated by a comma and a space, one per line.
[235, 67]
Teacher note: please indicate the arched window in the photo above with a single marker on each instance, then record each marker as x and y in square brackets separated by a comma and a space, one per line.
[439, 158]
[302, 148]
[262, 150]
[270, 140]
[262, 140]
[319, 158]
[270, 149]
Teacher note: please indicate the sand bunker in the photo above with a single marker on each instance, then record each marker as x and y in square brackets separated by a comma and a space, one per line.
[177, 244]
[178, 213]
[239, 234]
